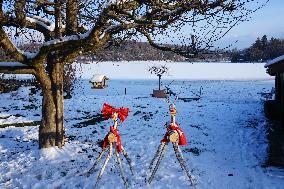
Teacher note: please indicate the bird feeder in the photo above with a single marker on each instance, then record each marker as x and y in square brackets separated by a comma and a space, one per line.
[99, 81]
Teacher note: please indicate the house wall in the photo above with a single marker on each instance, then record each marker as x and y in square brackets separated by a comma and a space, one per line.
[277, 87]
[279, 84]
[274, 109]
[282, 98]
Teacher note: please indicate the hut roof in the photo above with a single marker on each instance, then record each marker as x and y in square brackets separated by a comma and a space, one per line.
[274, 61]
[275, 66]
[98, 78]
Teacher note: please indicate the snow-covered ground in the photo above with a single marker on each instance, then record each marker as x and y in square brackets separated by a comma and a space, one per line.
[226, 130]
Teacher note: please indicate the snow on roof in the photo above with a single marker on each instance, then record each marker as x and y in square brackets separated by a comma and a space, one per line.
[12, 64]
[97, 78]
[274, 61]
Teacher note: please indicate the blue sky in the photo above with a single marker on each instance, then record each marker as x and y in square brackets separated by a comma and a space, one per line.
[268, 20]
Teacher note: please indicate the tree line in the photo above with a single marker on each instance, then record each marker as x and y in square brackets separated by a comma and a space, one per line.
[261, 50]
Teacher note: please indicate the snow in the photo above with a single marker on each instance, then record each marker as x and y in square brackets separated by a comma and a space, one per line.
[118, 1]
[274, 61]
[68, 38]
[226, 132]
[97, 78]
[12, 64]
[102, 34]
[9, 119]
[41, 21]
[29, 55]
[56, 154]
[177, 70]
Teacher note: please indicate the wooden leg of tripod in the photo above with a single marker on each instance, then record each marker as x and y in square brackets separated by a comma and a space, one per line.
[160, 156]
[105, 164]
[119, 163]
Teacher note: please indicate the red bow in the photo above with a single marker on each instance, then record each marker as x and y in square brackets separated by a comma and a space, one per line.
[182, 138]
[118, 142]
[108, 110]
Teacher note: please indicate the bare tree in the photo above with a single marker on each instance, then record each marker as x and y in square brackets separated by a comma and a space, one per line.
[66, 29]
[159, 71]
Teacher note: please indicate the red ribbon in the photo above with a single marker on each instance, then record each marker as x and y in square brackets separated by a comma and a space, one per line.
[108, 110]
[118, 142]
[175, 127]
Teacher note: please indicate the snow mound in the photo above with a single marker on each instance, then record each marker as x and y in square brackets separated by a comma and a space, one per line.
[56, 154]
[10, 119]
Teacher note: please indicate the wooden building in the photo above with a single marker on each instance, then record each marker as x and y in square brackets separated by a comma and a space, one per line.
[99, 81]
[275, 108]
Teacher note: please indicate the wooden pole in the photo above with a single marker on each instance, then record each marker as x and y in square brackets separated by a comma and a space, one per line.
[159, 82]
[173, 119]
[115, 120]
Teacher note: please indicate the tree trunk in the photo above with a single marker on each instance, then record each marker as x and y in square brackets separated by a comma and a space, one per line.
[47, 129]
[51, 130]
[57, 86]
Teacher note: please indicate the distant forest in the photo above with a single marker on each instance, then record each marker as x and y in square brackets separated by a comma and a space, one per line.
[143, 51]
[261, 50]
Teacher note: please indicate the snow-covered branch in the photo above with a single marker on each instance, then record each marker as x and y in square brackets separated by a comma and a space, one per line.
[15, 68]
[48, 24]
[12, 64]
[9, 47]
[68, 38]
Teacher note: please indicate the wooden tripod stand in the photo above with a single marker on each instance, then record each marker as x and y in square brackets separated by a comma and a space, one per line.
[112, 139]
[174, 135]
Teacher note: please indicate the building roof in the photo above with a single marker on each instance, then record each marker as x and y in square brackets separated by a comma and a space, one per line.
[98, 78]
[275, 66]
[274, 61]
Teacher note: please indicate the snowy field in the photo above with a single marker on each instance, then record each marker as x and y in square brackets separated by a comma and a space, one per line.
[177, 70]
[226, 133]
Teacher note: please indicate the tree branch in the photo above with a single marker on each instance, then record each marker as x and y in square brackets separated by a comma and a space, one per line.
[9, 47]
[15, 68]
[19, 11]
[166, 48]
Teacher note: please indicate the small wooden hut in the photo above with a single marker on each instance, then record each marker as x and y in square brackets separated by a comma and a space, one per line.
[99, 81]
[275, 107]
